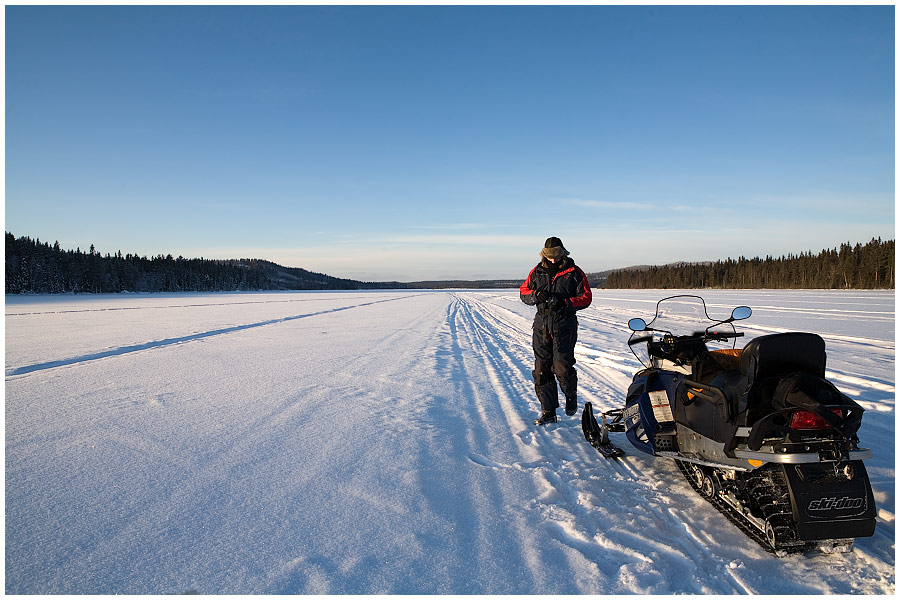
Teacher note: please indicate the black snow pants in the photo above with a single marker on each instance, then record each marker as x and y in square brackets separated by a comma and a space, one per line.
[553, 341]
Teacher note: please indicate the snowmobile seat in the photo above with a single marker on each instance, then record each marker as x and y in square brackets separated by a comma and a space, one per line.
[783, 353]
[766, 360]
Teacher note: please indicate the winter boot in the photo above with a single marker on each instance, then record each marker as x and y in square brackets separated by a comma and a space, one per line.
[546, 417]
[571, 406]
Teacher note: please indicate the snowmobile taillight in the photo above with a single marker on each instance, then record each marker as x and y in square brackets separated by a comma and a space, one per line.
[803, 419]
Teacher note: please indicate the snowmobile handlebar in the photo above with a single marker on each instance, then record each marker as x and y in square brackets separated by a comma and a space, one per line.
[705, 337]
[723, 335]
[682, 347]
[640, 340]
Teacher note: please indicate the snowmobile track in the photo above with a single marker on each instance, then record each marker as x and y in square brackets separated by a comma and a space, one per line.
[751, 532]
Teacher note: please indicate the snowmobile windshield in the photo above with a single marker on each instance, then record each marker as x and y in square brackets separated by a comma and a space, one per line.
[681, 315]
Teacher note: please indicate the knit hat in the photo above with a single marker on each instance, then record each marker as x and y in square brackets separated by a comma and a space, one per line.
[553, 248]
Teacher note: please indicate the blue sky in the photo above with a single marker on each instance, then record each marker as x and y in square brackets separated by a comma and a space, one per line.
[411, 143]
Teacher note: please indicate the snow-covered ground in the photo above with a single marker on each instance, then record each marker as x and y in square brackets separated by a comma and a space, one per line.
[381, 442]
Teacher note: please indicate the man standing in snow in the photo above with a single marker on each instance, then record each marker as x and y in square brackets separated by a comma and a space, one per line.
[558, 288]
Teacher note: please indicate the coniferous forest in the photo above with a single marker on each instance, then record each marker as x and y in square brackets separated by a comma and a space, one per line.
[869, 266]
[35, 267]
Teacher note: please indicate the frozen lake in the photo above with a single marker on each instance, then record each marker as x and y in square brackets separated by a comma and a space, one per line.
[381, 442]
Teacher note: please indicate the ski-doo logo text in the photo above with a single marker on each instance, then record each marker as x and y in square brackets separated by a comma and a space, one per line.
[836, 503]
[631, 412]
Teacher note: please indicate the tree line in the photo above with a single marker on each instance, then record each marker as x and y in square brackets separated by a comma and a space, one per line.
[869, 266]
[38, 267]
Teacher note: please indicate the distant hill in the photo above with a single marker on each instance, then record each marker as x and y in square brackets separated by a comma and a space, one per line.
[39, 268]
[295, 278]
[597, 280]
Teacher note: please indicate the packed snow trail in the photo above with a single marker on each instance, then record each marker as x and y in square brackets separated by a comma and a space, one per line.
[378, 442]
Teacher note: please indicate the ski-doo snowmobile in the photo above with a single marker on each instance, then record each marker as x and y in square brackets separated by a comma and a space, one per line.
[758, 431]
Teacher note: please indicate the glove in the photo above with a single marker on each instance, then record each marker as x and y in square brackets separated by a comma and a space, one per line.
[542, 295]
[557, 304]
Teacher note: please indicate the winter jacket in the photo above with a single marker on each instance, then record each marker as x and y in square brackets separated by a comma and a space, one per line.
[562, 281]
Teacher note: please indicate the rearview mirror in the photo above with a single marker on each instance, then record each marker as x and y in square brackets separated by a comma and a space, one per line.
[740, 313]
[637, 325]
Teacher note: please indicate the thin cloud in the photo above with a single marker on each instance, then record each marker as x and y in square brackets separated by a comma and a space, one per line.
[451, 226]
[627, 205]
[447, 239]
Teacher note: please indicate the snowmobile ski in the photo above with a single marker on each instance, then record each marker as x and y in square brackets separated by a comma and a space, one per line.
[596, 435]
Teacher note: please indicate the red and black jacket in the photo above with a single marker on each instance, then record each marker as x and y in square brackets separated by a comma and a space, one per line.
[564, 281]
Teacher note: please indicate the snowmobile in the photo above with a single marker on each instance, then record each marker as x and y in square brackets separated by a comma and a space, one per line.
[757, 431]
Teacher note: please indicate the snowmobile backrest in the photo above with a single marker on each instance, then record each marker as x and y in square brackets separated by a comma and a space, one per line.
[781, 354]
